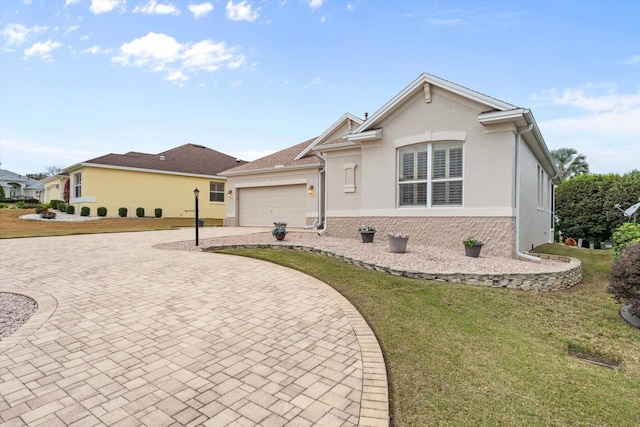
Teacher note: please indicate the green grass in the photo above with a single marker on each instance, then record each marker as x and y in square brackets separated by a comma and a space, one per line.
[461, 355]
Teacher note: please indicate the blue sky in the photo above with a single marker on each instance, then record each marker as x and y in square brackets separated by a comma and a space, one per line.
[82, 78]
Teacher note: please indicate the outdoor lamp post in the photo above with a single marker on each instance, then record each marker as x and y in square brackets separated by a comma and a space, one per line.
[196, 193]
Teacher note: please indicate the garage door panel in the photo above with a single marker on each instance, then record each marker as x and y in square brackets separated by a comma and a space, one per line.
[262, 206]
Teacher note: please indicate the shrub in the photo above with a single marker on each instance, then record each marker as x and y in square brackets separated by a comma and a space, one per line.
[102, 211]
[29, 205]
[140, 212]
[85, 211]
[158, 213]
[20, 205]
[53, 204]
[70, 210]
[2, 195]
[122, 212]
[61, 206]
[625, 235]
[625, 278]
[48, 215]
[41, 209]
[3, 205]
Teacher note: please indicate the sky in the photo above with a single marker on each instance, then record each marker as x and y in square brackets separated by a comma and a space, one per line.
[83, 78]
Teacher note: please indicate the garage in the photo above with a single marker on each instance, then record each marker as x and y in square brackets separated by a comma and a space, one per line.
[262, 206]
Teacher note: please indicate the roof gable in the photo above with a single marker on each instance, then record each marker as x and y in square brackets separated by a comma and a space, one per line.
[421, 84]
[328, 134]
[187, 158]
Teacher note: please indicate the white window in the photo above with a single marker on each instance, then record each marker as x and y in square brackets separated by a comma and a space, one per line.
[421, 183]
[77, 185]
[216, 191]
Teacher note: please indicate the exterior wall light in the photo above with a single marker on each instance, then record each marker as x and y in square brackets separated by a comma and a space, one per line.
[311, 189]
[229, 194]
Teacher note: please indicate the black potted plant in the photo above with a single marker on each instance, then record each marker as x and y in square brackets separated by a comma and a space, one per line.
[472, 247]
[279, 230]
[367, 232]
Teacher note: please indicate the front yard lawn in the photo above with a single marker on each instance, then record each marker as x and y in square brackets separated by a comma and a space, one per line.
[461, 355]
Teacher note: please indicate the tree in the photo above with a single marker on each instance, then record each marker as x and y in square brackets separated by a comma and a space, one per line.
[48, 171]
[586, 204]
[569, 163]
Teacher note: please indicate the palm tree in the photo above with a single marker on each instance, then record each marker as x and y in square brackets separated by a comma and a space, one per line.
[569, 163]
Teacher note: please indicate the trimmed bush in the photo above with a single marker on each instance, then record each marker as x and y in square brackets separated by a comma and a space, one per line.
[54, 203]
[102, 211]
[70, 210]
[85, 211]
[140, 212]
[61, 206]
[625, 278]
[41, 209]
[625, 235]
[122, 212]
[158, 213]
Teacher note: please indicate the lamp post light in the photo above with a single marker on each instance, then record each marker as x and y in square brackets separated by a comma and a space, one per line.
[196, 193]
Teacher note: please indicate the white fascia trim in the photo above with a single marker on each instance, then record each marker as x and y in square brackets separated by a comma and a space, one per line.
[329, 131]
[418, 83]
[273, 169]
[124, 168]
[494, 117]
[371, 135]
[335, 146]
[425, 212]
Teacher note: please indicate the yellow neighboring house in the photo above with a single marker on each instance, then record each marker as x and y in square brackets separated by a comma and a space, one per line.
[166, 180]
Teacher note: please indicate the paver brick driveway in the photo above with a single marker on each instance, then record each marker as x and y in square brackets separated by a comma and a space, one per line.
[126, 334]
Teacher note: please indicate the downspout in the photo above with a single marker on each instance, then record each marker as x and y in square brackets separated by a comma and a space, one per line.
[326, 196]
[517, 248]
[318, 220]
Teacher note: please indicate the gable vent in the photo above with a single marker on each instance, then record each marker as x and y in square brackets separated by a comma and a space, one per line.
[162, 158]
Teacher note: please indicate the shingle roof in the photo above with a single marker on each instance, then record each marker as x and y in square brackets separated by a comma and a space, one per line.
[29, 183]
[187, 158]
[283, 158]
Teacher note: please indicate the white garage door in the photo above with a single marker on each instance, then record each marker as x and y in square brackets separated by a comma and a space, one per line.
[262, 206]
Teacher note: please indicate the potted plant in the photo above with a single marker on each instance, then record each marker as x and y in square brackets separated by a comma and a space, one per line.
[279, 230]
[367, 232]
[472, 246]
[398, 242]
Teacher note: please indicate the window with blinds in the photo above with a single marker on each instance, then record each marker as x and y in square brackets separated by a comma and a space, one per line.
[443, 176]
[216, 191]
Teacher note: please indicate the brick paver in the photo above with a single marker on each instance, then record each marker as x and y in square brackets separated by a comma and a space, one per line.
[126, 334]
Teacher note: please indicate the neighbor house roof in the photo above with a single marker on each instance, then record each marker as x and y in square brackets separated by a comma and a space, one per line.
[286, 158]
[187, 159]
[28, 183]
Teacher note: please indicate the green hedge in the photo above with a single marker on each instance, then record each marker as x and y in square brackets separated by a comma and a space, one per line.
[102, 211]
[158, 213]
[122, 212]
[61, 206]
[70, 210]
[140, 212]
[85, 211]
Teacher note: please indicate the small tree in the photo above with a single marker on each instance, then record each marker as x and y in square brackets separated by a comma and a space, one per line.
[625, 278]
[66, 194]
[2, 195]
[569, 163]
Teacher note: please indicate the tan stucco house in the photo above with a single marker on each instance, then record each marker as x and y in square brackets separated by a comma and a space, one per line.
[165, 180]
[438, 161]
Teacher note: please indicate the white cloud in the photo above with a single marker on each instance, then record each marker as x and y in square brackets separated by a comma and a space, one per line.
[315, 4]
[350, 7]
[160, 52]
[105, 6]
[177, 77]
[241, 11]
[153, 8]
[94, 50]
[315, 81]
[200, 10]
[68, 2]
[635, 59]
[153, 49]
[15, 34]
[42, 49]
[236, 83]
[603, 126]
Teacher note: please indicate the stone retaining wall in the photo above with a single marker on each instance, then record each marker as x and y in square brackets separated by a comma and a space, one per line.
[562, 278]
